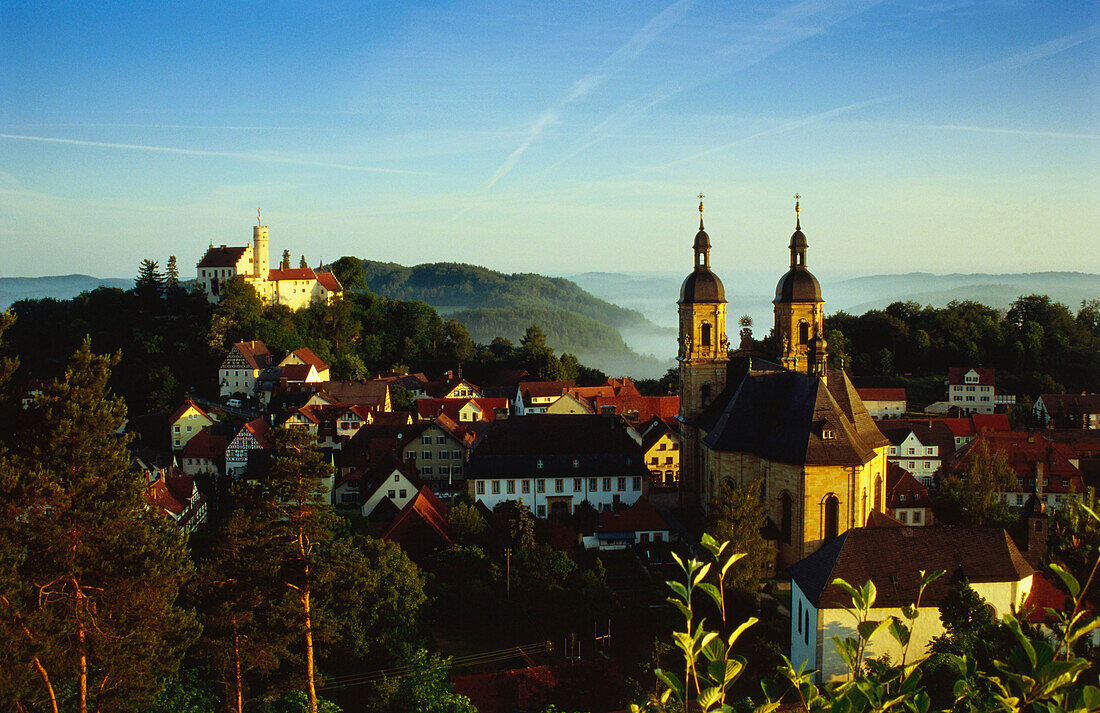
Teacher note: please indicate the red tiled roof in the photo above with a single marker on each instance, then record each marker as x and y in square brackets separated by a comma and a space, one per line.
[640, 408]
[986, 376]
[221, 257]
[255, 353]
[1045, 595]
[294, 273]
[261, 431]
[641, 516]
[881, 394]
[329, 282]
[188, 403]
[306, 355]
[1024, 452]
[425, 510]
[296, 372]
[429, 408]
[900, 482]
[978, 422]
[1073, 404]
[544, 389]
[159, 496]
[205, 444]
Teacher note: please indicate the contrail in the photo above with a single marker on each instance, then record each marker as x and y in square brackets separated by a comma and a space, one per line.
[619, 59]
[1015, 132]
[221, 154]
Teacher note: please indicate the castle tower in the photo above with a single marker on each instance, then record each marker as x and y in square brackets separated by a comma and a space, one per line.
[259, 248]
[799, 316]
[703, 354]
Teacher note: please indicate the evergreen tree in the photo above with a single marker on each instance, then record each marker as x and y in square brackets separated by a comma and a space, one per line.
[95, 589]
[149, 285]
[737, 515]
[302, 262]
[284, 264]
[172, 273]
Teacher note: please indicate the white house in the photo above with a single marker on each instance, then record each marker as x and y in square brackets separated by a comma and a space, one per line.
[241, 367]
[254, 435]
[891, 556]
[972, 390]
[552, 463]
[536, 396]
[883, 403]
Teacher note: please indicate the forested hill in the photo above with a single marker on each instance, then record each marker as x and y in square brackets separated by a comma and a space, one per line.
[493, 304]
[454, 286]
[59, 287]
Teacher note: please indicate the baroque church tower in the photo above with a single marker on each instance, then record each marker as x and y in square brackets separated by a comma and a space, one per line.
[704, 349]
[799, 316]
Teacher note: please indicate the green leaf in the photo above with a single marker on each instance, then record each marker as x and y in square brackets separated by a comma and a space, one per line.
[712, 591]
[1068, 579]
[867, 629]
[678, 589]
[708, 697]
[741, 630]
[729, 562]
[700, 574]
[669, 679]
[899, 631]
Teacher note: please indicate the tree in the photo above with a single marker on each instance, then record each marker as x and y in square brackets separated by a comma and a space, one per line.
[976, 498]
[737, 515]
[349, 271]
[172, 274]
[465, 523]
[302, 262]
[149, 285]
[284, 264]
[237, 317]
[519, 524]
[95, 592]
[424, 686]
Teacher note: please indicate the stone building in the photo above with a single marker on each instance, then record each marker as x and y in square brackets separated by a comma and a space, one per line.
[795, 428]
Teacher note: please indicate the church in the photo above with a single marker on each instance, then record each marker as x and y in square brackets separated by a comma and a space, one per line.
[293, 287]
[789, 423]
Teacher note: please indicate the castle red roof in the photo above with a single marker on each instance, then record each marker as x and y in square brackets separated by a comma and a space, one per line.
[986, 376]
[294, 273]
[881, 394]
[329, 282]
[222, 257]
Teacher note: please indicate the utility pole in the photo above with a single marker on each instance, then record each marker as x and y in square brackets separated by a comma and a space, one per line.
[508, 573]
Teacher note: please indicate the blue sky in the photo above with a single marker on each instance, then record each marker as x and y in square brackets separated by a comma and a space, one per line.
[553, 137]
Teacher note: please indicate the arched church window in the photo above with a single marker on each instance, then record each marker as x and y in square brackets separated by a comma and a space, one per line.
[803, 332]
[832, 517]
[878, 493]
[785, 516]
[706, 334]
[704, 393]
[863, 509]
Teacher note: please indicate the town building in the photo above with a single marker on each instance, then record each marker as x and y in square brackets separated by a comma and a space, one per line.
[661, 444]
[1041, 468]
[919, 446]
[292, 287]
[639, 524]
[241, 368]
[799, 430]
[553, 463]
[253, 436]
[971, 390]
[186, 423]
[907, 499]
[175, 496]
[1067, 411]
[537, 396]
[891, 557]
[883, 402]
[462, 410]
[439, 449]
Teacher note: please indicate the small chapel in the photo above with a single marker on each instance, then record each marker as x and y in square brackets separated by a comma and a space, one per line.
[293, 287]
[785, 421]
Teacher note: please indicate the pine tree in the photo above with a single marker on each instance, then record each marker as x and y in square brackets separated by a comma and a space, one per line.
[302, 262]
[172, 274]
[284, 264]
[149, 285]
[737, 515]
[96, 591]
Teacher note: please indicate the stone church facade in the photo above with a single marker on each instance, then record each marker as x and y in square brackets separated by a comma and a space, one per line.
[783, 421]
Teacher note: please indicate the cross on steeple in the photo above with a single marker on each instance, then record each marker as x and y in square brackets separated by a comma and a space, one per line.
[701, 197]
[797, 212]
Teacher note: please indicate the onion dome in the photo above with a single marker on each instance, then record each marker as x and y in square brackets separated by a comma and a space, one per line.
[798, 284]
[702, 285]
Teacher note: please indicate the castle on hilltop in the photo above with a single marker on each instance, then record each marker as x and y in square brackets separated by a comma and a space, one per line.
[782, 422]
[294, 287]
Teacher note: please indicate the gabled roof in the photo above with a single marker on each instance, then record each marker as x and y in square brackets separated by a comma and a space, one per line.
[306, 355]
[601, 445]
[1072, 404]
[1025, 452]
[867, 394]
[364, 393]
[900, 482]
[188, 404]
[294, 273]
[655, 429]
[785, 416]
[421, 521]
[329, 282]
[543, 389]
[986, 376]
[222, 257]
[444, 423]
[639, 517]
[638, 408]
[255, 353]
[261, 431]
[978, 422]
[929, 431]
[440, 389]
[376, 476]
[297, 373]
[892, 557]
[427, 408]
[206, 444]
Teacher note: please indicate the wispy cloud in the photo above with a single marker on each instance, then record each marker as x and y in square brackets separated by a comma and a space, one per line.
[615, 63]
[266, 158]
[1014, 132]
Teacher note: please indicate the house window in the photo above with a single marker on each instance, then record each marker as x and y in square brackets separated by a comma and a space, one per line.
[803, 332]
[1019, 498]
[903, 517]
[576, 463]
[636, 484]
[540, 486]
[480, 487]
[828, 435]
[495, 486]
[456, 455]
[644, 537]
[390, 494]
[176, 429]
[444, 470]
[542, 511]
[456, 470]
[396, 477]
[441, 440]
[668, 460]
[412, 455]
[705, 341]
[559, 485]
[622, 484]
[538, 463]
[607, 485]
[426, 440]
[578, 485]
[525, 486]
[511, 487]
[426, 455]
[593, 485]
[912, 451]
[917, 517]
[404, 493]
[426, 470]
[653, 460]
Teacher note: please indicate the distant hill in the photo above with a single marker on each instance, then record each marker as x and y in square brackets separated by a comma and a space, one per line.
[491, 304]
[860, 294]
[59, 287]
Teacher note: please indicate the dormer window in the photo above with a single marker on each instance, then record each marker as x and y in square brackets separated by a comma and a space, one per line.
[538, 463]
[576, 463]
[828, 434]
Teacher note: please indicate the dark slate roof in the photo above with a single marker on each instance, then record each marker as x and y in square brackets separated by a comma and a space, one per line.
[782, 416]
[892, 557]
[369, 393]
[702, 285]
[798, 285]
[600, 444]
[221, 257]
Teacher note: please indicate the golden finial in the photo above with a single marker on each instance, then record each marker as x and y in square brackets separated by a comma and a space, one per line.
[797, 212]
[701, 197]
[259, 221]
